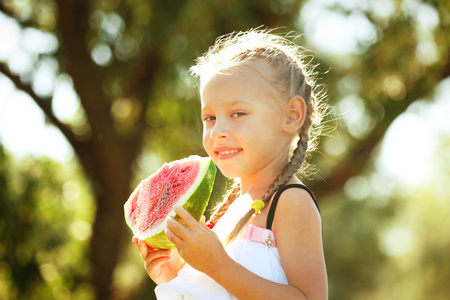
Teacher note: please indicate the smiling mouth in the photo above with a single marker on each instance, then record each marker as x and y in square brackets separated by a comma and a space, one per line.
[227, 152]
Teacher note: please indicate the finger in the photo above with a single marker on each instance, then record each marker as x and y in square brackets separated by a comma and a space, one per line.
[203, 223]
[135, 241]
[156, 264]
[178, 229]
[186, 217]
[156, 257]
[173, 232]
[141, 246]
[156, 254]
[144, 248]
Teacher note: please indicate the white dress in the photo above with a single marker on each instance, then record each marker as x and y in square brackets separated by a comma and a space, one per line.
[257, 257]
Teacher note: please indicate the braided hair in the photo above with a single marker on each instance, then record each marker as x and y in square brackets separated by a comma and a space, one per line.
[282, 64]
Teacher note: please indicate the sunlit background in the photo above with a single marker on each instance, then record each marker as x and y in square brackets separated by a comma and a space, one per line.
[386, 229]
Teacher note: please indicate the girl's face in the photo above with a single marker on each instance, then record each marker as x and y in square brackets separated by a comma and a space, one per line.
[243, 124]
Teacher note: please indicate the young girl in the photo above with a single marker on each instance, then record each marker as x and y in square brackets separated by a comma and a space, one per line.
[259, 111]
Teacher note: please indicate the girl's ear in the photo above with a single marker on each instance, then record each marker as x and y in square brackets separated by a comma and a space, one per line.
[295, 114]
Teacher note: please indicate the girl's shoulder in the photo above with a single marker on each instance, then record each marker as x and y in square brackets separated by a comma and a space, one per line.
[296, 195]
[296, 208]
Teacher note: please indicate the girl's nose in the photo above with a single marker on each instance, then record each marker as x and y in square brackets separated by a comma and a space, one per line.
[219, 131]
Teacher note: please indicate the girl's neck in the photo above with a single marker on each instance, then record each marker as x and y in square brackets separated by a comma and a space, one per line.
[256, 185]
[256, 191]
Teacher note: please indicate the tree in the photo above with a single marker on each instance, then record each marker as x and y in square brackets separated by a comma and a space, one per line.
[128, 62]
[151, 42]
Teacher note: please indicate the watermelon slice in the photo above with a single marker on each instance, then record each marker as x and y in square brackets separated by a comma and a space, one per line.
[187, 182]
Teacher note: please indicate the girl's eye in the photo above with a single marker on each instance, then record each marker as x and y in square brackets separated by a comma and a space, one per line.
[208, 119]
[238, 114]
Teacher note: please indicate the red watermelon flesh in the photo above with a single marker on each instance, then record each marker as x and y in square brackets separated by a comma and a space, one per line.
[187, 182]
[156, 198]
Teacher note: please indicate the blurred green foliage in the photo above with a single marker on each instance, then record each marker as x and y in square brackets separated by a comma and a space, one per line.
[45, 217]
[391, 246]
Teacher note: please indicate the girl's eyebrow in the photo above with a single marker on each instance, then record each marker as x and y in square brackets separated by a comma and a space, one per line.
[239, 101]
[231, 103]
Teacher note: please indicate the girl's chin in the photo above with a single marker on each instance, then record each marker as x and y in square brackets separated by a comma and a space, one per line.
[231, 174]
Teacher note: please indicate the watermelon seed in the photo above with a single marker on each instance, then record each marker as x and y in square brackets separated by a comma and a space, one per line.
[182, 171]
[178, 184]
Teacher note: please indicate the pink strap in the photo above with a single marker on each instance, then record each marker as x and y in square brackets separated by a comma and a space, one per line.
[260, 235]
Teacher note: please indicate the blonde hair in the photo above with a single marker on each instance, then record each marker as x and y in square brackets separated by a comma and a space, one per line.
[283, 65]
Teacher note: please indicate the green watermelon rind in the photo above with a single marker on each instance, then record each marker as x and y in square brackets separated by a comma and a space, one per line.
[194, 201]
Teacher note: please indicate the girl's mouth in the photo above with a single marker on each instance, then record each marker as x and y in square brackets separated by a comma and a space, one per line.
[227, 153]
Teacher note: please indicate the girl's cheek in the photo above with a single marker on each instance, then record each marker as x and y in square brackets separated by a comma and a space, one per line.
[206, 137]
[206, 145]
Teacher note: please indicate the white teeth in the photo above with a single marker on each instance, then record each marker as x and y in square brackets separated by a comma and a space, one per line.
[227, 152]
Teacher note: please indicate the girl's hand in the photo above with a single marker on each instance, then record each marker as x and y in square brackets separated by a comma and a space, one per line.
[160, 265]
[199, 246]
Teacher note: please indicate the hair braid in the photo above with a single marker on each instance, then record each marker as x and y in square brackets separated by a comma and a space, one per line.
[232, 195]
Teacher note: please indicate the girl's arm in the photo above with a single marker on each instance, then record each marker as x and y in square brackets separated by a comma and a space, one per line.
[297, 227]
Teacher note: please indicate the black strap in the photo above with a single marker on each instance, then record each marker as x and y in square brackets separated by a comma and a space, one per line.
[273, 206]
